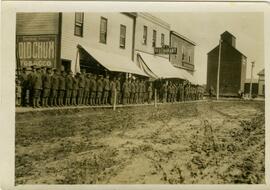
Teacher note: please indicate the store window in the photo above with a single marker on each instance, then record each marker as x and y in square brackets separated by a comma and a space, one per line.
[122, 36]
[103, 30]
[144, 35]
[162, 39]
[78, 29]
[154, 38]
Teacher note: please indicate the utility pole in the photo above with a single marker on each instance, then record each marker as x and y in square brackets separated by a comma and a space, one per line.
[251, 78]
[218, 70]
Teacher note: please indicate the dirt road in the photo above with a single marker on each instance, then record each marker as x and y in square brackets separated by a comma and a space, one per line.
[208, 142]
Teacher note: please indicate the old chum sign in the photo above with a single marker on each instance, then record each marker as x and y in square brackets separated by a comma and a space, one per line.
[37, 50]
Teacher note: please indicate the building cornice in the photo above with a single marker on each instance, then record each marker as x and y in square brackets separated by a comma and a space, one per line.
[154, 19]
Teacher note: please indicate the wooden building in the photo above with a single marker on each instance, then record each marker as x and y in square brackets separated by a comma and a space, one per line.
[38, 39]
[184, 58]
[232, 67]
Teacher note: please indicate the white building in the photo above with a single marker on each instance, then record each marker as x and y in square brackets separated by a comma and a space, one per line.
[152, 33]
[90, 39]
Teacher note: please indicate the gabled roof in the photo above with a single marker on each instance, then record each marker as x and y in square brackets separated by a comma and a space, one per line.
[183, 37]
[226, 32]
[261, 72]
[230, 46]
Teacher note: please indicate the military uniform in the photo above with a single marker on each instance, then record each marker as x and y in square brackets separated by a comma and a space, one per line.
[93, 90]
[125, 90]
[24, 88]
[118, 88]
[47, 84]
[112, 91]
[86, 90]
[81, 88]
[37, 86]
[137, 92]
[100, 87]
[165, 92]
[61, 89]
[54, 89]
[150, 93]
[69, 88]
[106, 83]
[132, 92]
[75, 90]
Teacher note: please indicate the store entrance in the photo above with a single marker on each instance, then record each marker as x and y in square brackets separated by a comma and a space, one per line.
[66, 65]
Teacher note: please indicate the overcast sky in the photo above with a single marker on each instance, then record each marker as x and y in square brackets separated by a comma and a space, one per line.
[205, 29]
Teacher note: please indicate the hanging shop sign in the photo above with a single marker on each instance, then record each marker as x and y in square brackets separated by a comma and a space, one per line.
[39, 50]
[165, 50]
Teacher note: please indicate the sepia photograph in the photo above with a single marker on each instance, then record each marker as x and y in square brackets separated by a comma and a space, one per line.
[139, 97]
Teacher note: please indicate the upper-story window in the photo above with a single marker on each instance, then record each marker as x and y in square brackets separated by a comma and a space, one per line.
[162, 39]
[189, 59]
[183, 53]
[154, 40]
[122, 36]
[78, 29]
[144, 35]
[103, 30]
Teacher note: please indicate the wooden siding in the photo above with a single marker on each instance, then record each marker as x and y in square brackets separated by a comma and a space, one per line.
[230, 70]
[37, 23]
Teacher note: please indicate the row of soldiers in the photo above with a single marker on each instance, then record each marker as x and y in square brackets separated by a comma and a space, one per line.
[178, 92]
[50, 87]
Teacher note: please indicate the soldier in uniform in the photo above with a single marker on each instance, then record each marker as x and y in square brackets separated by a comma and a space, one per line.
[112, 90]
[75, 89]
[30, 85]
[47, 84]
[169, 91]
[69, 88]
[24, 85]
[62, 88]
[81, 87]
[125, 90]
[54, 88]
[132, 91]
[165, 91]
[182, 94]
[150, 92]
[141, 92]
[106, 83]
[118, 88]
[137, 91]
[100, 87]
[87, 89]
[37, 86]
[93, 90]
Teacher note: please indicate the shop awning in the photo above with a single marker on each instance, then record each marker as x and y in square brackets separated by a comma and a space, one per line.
[113, 62]
[158, 67]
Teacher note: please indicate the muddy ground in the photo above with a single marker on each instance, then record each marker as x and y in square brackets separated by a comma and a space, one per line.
[192, 143]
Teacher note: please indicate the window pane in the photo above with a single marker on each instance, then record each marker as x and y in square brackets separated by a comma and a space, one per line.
[154, 38]
[79, 17]
[78, 28]
[103, 30]
[144, 34]
[162, 39]
[122, 36]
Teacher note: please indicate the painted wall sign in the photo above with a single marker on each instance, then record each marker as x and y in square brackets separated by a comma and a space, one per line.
[39, 50]
[165, 50]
